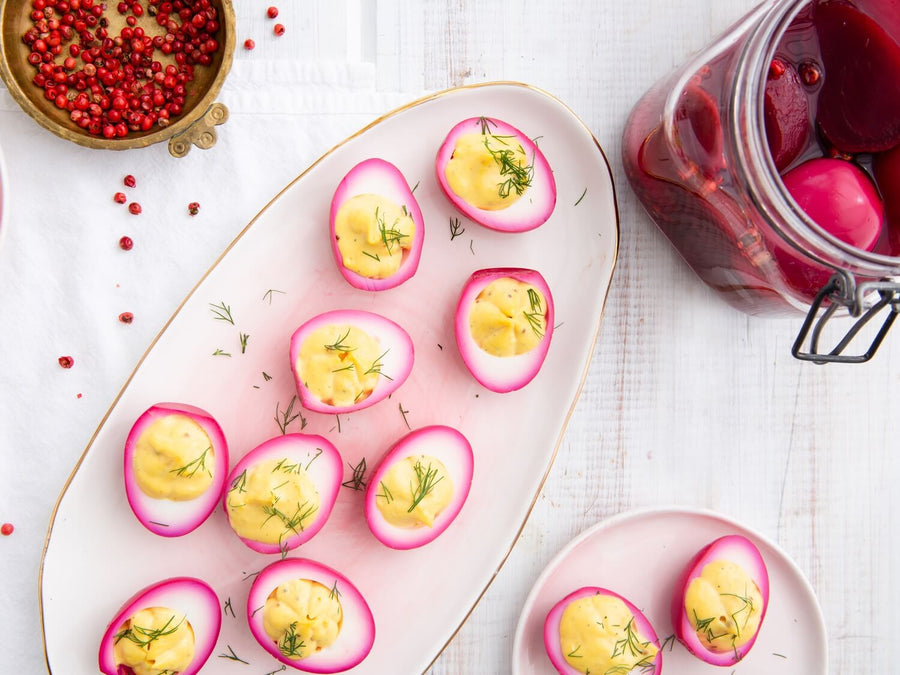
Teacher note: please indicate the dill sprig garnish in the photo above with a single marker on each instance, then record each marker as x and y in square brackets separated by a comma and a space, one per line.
[358, 481]
[373, 256]
[195, 465]
[283, 418]
[244, 338]
[283, 466]
[240, 483]
[377, 365]
[456, 228]
[574, 653]
[143, 637]
[277, 670]
[268, 294]
[231, 656]
[226, 608]
[294, 522]
[290, 643]
[403, 413]
[415, 187]
[222, 312]
[251, 575]
[319, 451]
[334, 592]
[219, 352]
[389, 235]
[347, 367]
[426, 480]
[266, 376]
[581, 197]
[630, 643]
[669, 641]
[519, 177]
[486, 124]
[339, 346]
[385, 494]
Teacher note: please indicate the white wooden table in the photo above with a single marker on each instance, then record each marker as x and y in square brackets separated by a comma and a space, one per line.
[687, 401]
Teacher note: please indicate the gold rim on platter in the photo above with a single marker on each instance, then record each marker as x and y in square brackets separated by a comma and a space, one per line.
[379, 120]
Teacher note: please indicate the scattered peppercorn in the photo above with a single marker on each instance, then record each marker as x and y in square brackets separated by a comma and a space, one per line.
[125, 243]
[194, 208]
[6, 529]
[120, 198]
[279, 29]
[126, 317]
[129, 181]
[134, 208]
[272, 12]
[249, 44]
[66, 361]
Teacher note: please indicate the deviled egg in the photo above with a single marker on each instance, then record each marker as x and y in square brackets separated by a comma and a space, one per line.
[176, 461]
[419, 487]
[347, 360]
[504, 323]
[169, 627]
[722, 600]
[310, 616]
[377, 229]
[496, 175]
[594, 630]
[282, 492]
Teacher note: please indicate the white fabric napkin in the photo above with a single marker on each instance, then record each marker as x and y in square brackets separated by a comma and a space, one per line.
[64, 280]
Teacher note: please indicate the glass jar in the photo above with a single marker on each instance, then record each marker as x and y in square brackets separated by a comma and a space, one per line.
[696, 153]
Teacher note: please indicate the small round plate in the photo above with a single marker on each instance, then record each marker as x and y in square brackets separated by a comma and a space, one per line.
[640, 555]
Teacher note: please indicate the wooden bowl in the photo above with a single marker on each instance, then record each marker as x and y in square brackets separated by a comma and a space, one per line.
[194, 125]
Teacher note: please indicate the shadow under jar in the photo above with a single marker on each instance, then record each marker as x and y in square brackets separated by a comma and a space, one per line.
[771, 161]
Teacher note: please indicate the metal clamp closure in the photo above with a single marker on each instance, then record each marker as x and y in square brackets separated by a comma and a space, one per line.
[842, 291]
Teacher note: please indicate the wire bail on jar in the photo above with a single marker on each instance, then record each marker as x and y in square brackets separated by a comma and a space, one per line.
[843, 291]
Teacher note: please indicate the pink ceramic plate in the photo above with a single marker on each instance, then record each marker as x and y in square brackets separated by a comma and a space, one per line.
[641, 555]
[279, 273]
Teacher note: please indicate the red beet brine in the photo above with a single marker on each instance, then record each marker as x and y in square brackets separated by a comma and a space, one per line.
[773, 159]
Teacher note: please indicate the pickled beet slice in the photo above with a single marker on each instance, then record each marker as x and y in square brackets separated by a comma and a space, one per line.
[786, 113]
[700, 129]
[859, 109]
[887, 176]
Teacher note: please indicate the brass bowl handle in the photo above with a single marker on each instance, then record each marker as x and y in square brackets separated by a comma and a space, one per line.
[201, 133]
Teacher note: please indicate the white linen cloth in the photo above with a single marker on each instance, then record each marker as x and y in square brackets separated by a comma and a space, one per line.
[64, 280]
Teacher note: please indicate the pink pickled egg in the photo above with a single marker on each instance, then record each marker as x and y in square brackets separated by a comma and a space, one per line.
[377, 178]
[307, 455]
[718, 558]
[169, 517]
[840, 198]
[505, 373]
[449, 447]
[192, 598]
[553, 642]
[533, 184]
[389, 364]
[357, 629]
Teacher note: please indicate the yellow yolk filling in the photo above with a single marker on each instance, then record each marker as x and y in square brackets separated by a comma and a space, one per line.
[340, 364]
[414, 491]
[508, 317]
[724, 606]
[303, 617]
[489, 172]
[272, 501]
[597, 635]
[373, 233]
[173, 459]
[154, 641]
